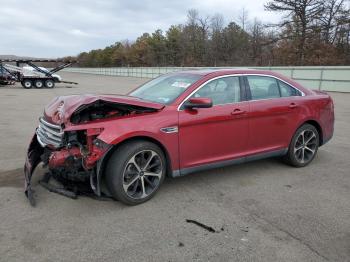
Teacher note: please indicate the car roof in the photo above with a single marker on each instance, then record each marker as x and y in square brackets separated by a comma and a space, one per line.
[227, 71]
[215, 72]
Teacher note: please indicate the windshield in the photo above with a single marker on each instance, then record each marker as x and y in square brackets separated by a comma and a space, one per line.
[165, 89]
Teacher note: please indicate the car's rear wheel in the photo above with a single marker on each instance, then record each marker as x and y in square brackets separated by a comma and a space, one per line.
[135, 172]
[303, 147]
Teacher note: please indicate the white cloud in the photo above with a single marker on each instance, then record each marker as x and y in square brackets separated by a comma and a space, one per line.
[80, 33]
[46, 28]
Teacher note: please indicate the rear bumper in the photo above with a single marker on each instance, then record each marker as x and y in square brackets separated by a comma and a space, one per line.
[326, 139]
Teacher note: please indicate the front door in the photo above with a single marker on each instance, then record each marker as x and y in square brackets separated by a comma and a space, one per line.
[219, 133]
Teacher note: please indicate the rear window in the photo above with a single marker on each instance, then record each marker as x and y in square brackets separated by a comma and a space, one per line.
[287, 90]
[263, 87]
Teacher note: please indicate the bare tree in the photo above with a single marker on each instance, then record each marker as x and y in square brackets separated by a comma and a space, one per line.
[300, 14]
[192, 17]
[216, 45]
[203, 23]
[197, 37]
[257, 40]
[243, 18]
[330, 18]
[217, 22]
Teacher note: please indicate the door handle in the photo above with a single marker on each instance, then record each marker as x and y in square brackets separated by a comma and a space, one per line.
[237, 112]
[293, 105]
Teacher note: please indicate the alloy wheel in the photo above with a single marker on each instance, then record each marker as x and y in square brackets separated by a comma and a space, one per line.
[305, 146]
[142, 174]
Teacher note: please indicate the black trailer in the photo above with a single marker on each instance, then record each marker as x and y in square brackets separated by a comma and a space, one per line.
[38, 77]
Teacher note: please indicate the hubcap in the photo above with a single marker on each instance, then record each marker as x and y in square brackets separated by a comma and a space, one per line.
[142, 174]
[305, 146]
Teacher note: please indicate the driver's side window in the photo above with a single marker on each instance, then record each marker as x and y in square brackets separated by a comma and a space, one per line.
[225, 90]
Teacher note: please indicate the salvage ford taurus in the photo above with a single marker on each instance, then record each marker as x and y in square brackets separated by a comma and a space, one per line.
[176, 124]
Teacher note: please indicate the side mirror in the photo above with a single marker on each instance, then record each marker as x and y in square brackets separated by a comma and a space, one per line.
[199, 102]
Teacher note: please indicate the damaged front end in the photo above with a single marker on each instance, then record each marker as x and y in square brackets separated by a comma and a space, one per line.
[67, 138]
[70, 156]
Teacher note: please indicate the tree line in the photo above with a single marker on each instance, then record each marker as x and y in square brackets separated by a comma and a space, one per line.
[311, 32]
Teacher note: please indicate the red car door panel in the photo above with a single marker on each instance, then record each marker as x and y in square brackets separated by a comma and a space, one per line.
[272, 123]
[213, 134]
[274, 113]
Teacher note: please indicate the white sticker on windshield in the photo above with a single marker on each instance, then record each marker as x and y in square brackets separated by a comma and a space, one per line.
[165, 99]
[181, 84]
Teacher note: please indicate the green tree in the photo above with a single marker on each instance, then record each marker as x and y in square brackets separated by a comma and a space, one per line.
[174, 46]
[312, 32]
[236, 45]
[158, 52]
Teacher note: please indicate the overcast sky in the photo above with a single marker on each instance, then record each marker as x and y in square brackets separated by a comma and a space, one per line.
[45, 28]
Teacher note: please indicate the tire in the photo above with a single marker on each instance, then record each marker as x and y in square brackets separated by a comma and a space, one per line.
[38, 84]
[126, 171]
[27, 84]
[49, 83]
[303, 147]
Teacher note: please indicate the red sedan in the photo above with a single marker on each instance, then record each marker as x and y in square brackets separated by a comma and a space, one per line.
[177, 124]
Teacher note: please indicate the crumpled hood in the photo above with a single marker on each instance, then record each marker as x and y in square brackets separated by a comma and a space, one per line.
[59, 110]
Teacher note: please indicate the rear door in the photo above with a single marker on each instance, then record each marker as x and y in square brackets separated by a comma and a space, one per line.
[209, 135]
[273, 113]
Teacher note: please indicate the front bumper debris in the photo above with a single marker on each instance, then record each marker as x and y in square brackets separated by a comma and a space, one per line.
[45, 182]
[78, 173]
[33, 159]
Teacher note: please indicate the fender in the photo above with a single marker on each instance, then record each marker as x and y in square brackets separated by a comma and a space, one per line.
[168, 141]
[102, 162]
[311, 121]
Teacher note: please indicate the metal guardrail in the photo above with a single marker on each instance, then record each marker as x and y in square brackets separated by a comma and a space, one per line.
[327, 78]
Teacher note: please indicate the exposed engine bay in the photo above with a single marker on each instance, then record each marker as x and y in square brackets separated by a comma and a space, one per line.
[102, 109]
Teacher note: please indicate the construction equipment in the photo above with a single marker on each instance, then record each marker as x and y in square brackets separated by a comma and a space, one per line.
[33, 75]
[6, 78]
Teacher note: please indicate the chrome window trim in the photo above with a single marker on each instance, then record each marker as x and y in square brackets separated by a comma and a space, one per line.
[248, 74]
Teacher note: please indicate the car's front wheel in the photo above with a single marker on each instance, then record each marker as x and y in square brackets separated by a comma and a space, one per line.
[303, 147]
[135, 172]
